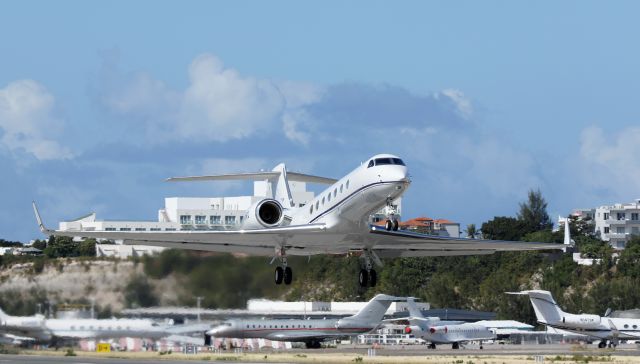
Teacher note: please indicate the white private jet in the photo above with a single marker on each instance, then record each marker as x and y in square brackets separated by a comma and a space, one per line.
[40, 329]
[334, 222]
[612, 329]
[435, 331]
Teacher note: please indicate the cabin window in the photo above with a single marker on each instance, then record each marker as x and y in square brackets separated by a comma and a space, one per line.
[73, 327]
[635, 326]
[347, 186]
[323, 200]
[398, 161]
[626, 326]
[335, 192]
[340, 188]
[329, 197]
[317, 205]
[370, 164]
[311, 210]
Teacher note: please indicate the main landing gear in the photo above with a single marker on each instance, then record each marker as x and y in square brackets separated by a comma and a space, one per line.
[455, 346]
[283, 273]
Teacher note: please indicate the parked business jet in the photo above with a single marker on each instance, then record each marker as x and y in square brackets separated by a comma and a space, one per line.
[605, 328]
[311, 331]
[434, 331]
[334, 222]
[46, 330]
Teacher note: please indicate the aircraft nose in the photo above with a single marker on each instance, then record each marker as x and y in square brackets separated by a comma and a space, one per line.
[216, 331]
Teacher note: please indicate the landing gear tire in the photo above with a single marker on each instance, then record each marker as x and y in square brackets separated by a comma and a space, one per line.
[602, 344]
[455, 346]
[279, 275]
[396, 225]
[373, 278]
[432, 346]
[388, 225]
[288, 275]
[363, 278]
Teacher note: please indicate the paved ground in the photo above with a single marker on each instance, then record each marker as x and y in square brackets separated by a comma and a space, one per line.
[411, 353]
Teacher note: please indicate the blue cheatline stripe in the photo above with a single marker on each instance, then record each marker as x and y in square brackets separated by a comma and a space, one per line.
[349, 196]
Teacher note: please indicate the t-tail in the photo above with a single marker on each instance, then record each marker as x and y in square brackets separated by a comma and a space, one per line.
[414, 311]
[546, 309]
[371, 314]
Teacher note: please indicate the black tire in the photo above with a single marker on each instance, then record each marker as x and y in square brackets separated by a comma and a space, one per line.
[288, 275]
[388, 225]
[455, 346]
[396, 225]
[373, 278]
[279, 275]
[363, 278]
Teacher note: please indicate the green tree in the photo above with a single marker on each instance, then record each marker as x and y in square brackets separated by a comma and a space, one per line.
[87, 248]
[472, 232]
[62, 247]
[533, 213]
[502, 228]
[139, 292]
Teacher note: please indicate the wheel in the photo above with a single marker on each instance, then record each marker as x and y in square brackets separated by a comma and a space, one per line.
[279, 275]
[373, 278]
[288, 275]
[388, 225]
[481, 347]
[455, 346]
[396, 225]
[432, 346]
[602, 345]
[363, 278]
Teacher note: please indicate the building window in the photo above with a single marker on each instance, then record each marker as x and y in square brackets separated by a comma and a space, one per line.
[634, 216]
[125, 229]
[185, 219]
[214, 220]
[241, 219]
[620, 215]
[605, 216]
[170, 229]
[620, 230]
[634, 230]
[155, 229]
[229, 220]
[141, 229]
[606, 230]
[110, 229]
[201, 220]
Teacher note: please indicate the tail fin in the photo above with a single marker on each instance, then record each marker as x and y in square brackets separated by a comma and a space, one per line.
[3, 316]
[282, 192]
[376, 308]
[567, 235]
[546, 308]
[413, 309]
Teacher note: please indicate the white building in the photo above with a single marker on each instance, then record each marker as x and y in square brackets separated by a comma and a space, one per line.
[616, 224]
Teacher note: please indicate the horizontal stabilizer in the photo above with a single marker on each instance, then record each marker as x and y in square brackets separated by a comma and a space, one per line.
[256, 176]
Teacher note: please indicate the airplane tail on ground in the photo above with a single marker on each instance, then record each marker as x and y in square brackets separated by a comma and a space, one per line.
[376, 308]
[546, 308]
[3, 317]
[414, 311]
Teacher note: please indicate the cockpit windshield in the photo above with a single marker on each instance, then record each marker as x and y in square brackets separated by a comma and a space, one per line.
[385, 161]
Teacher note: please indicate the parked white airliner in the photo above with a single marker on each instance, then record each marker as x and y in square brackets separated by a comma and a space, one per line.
[605, 328]
[334, 222]
[46, 330]
[434, 331]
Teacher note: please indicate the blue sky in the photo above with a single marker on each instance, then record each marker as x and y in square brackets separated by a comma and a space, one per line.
[99, 102]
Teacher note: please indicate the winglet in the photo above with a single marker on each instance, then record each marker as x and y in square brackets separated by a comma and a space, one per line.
[43, 228]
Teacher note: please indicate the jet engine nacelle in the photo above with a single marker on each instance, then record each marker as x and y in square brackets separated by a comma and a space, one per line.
[413, 329]
[264, 214]
[582, 321]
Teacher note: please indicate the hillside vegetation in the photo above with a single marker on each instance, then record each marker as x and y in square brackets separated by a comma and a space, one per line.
[473, 282]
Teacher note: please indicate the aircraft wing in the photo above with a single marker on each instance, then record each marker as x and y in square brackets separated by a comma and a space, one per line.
[307, 239]
[391, 244]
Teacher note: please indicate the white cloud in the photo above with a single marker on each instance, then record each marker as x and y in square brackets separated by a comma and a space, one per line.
[27, 122]
[220, 104]
[612, 162]
[462, 103]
